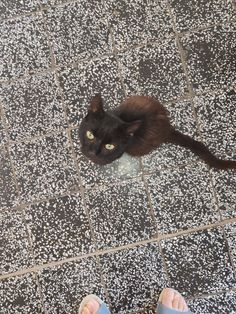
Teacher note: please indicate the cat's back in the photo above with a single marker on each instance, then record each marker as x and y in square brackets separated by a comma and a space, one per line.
[141, 106]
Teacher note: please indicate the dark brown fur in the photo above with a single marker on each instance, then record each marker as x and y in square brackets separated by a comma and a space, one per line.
[138, 126]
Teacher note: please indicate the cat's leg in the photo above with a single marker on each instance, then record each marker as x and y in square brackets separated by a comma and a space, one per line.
[93, 305]
[171, 302]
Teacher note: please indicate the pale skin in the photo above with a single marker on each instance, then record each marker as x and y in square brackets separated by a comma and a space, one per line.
[168, 297]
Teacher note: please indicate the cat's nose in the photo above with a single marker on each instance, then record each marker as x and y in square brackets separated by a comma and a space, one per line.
[94, 152]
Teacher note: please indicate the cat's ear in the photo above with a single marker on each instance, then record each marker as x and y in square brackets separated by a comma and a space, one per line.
[96, 105]
[133, 126]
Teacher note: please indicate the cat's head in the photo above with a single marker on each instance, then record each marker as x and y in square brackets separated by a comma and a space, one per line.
[104, 136]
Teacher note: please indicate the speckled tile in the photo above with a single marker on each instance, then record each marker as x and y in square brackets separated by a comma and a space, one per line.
[46, 3]
[64, 286]
[138, 21]
[196, 14]
[120, 214]
[33, 107]
[89, 78]
[169, 155]
[92, 174]
[210, 56]
[44, 167]
[59, 229]
[230, 230]
[8, 193]
[224, 183]
[23, 46]
[182, 198]
[20, 295]
[14, 245]
[154, 70]
[78, 30]
[199, 263]
[133, 276]
[217, 121]
[217, 304]
[3, 137]
[13, 8]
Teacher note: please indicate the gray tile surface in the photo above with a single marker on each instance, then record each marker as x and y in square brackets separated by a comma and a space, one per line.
[125, 230]
[230, 230]
[8, 193]
[137, 274]
[59, 229]
[196, 14]
[64, 286]
[3, 137]
[76, 33]
[33, 107]
[15, 250]
[224, 303]
[138, 21]
[224, 183]
[12, 8]
[20, 295]
[23, 47]
[217, 121]
[210, 56]
[44, 167]
[154, 70]
[182, 198]
[120, 214]
[199, 263]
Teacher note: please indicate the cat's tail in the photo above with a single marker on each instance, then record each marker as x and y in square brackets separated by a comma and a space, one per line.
[200, 150]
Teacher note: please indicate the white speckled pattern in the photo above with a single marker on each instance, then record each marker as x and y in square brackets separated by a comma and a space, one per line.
[23, 47]
[198, 263]
[33, 107]
[44, 167]
[123, 231]
[78, 30]
[182, 198]
[120, 214]
[20, 295]
[154, 70]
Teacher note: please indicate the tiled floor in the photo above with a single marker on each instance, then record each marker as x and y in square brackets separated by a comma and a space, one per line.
[126, 230]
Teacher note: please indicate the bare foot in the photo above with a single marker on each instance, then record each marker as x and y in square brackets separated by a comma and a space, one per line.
[172, 299]
[91, 307]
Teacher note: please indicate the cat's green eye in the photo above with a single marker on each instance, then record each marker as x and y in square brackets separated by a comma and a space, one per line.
[89, 135]
[109, 146]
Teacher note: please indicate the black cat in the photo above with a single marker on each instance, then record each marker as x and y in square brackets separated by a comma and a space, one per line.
[138, 126]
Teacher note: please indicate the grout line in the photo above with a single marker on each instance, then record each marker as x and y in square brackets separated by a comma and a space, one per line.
[203, 28]
[74, 157]
[101, 186]
[161, 237]
[26, 76]
[18, 16]
[210, 294]
[229, 251]
[23, 213]
[117, 61]
[151, 210]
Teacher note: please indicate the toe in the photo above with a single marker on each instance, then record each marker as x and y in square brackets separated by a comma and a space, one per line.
[167, 296]
[85, 310]
[175, 301]
[91, 307]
